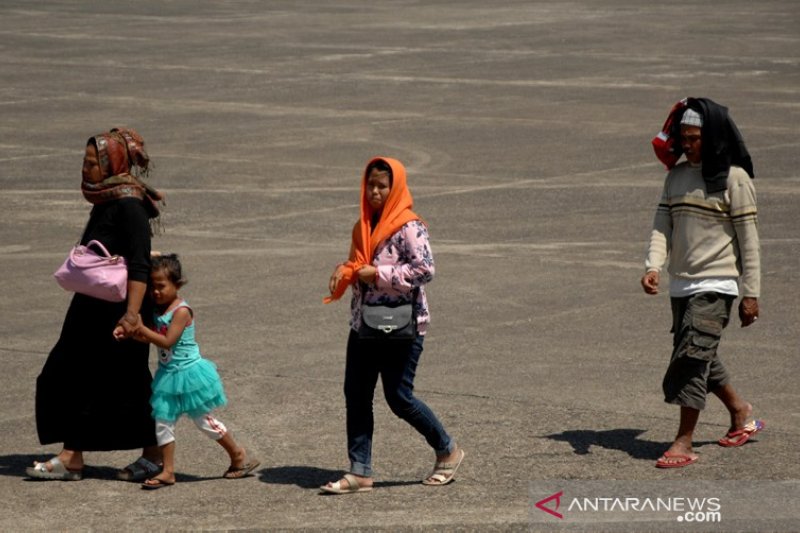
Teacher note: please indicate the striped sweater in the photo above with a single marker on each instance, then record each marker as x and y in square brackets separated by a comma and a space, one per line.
[707, 235]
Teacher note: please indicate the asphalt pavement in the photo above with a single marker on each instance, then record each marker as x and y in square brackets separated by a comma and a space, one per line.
[525, 128]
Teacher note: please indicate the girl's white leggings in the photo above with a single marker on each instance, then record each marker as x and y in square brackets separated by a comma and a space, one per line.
[165, 431]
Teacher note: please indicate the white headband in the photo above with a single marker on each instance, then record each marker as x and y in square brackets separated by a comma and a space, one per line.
[692, 118]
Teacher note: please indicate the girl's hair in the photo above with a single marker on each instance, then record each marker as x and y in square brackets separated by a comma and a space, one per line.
[381, 166]
[171, 265]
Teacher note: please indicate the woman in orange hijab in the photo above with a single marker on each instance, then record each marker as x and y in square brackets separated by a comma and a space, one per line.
[390, 263]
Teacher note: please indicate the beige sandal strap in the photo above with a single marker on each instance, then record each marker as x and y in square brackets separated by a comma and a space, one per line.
[352, 482]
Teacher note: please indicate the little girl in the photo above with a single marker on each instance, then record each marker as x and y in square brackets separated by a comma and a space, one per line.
[185, 383]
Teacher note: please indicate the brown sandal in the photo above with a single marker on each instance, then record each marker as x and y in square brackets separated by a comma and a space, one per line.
[234, 472]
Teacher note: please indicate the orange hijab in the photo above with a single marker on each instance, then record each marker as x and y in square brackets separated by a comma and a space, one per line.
[395, 214]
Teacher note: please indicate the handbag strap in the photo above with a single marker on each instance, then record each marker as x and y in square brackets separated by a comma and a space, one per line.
[363, 288]
[99, 245]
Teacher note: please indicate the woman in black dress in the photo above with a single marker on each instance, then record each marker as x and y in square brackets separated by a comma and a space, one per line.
[93, 392]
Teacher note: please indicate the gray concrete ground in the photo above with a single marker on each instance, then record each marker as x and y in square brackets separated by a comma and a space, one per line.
[525, 127]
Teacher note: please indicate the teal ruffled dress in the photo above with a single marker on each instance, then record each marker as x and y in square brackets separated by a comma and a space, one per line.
[184, 383]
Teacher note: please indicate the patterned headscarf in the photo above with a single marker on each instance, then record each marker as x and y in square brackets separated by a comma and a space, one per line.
[123, 163]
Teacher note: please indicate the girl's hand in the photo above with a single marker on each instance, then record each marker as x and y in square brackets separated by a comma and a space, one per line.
[368, 274]
[138, 333]
[140, 336]
[119, 333]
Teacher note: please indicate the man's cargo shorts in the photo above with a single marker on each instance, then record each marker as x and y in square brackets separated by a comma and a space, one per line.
[695, 369]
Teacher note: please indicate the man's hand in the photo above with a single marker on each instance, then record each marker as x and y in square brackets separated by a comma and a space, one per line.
[650, 282]
[748, 311]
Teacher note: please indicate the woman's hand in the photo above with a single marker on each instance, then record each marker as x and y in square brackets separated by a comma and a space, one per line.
[131, 319]
[336, 277]
[127, 325]
[137, 333]
[368, 274]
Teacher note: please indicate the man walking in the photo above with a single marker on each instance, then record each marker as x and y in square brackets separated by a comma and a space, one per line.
[706, 226]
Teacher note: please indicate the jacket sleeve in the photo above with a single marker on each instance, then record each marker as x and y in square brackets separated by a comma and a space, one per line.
[661, 235]
[745, 223]
[415, 267]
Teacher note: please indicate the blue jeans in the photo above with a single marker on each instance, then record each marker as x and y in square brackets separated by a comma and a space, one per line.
[396, 363]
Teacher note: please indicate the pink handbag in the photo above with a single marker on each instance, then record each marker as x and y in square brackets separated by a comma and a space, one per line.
[99, 276]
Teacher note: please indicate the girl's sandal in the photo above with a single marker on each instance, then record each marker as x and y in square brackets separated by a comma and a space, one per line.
[238, 472]
[156, 483]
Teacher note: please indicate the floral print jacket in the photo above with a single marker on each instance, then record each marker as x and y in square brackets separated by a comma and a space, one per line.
[404, 262]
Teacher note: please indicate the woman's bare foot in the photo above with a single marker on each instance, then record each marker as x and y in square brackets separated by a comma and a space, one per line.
[451, 457]
[153, 454]
[72, 460]
[350, 483]
[444, 470]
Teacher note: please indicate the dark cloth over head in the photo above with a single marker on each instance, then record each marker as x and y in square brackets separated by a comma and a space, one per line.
[723, 144]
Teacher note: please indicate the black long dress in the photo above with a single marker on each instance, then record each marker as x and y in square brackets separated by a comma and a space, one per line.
[94, 392]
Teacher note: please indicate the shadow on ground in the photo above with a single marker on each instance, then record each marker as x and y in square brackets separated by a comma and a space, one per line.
[625, 440]
[310, 477]
[15, 465]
